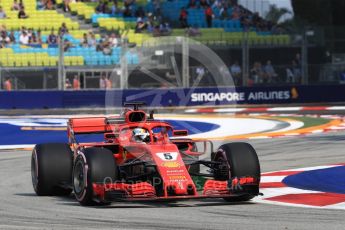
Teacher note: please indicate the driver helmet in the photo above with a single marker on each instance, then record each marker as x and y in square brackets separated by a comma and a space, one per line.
[141, 135]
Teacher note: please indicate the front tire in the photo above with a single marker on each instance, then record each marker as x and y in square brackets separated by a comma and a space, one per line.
[239, 160]
[51, 169]
[94, 165]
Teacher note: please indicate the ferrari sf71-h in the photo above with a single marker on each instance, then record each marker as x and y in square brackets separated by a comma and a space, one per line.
[141, 158]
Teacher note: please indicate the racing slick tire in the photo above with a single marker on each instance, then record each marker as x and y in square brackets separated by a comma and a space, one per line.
[240, 160]
[51, 169]
[93, 165]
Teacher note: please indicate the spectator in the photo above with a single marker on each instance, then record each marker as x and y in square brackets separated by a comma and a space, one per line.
[24, 38]
[270, 72]
[236, 13]
[290, 78]
[99, 46]
[236, 72]
[102, 82]
[192, 4]
[91, 39]
[104, 45]
[40, 4]
[127, 12]
[156, 32]
[151, 22]
[12, 37]
[2, 28]
[217, 4]
[8, 84]
[2, 13]
[257, 73]
[52, 38]
[209, 16]
[183, 18]
[296, 70]
[298, 60]
[140, 26]
[22, 14]
[99, 7]
[223, 13]
[39, 37]
[164, 29]
[114, 40]
[49, 5]
[157, 7]
[66, 5]
[84, 41]
[68, 84]
[4, 38]
[204, 4]
[15, 6]
[66, 45]
[63, 29]
[23, 29]
[193, 31]
[114, 8]
[76, 82]
[128, 3]
[255, 19]
[108, 83]
[29, 32]
[102, 7]
[33, 39]
[46, 4]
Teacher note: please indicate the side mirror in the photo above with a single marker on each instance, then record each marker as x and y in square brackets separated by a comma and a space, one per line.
[180, 133]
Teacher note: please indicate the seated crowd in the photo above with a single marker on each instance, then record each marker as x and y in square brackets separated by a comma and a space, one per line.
[30, 37]
[266, 73]
[16, 6]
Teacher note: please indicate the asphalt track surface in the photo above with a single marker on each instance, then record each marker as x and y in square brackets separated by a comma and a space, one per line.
[20, 208]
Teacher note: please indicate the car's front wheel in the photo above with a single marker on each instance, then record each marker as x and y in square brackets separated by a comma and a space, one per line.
[238, 160]
[93, 165]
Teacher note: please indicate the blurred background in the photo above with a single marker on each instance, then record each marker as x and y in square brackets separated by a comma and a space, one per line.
[61, 45]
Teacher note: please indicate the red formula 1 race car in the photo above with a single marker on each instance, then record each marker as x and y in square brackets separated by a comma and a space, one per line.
[140, 158]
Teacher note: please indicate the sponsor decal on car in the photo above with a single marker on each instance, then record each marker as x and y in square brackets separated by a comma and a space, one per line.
[171, 164]
[168, 156]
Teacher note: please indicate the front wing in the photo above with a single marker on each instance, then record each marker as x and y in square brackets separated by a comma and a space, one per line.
[144, 191]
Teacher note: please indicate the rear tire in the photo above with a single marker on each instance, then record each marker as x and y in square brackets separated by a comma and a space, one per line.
[240, 160]
[51, 169]
[94, 165]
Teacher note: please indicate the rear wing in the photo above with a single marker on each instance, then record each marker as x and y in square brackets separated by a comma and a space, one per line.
[88, 125]
[91, 125]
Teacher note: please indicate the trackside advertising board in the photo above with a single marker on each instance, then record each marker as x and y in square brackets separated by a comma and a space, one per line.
[172, 97]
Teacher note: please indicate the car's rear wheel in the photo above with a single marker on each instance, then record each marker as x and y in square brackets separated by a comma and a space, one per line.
[51, 169]
[94, 165]
[238, 160]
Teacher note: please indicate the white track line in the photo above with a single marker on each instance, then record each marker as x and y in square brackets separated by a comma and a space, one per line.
[336, 108]
[4, 147]
[285, 109]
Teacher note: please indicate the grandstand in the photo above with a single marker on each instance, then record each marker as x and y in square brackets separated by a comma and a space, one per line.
[21, 55]
[86, 45]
